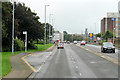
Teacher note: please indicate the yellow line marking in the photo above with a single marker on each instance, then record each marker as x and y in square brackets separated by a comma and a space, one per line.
[23, 58]
[28, 64]
[115, 61]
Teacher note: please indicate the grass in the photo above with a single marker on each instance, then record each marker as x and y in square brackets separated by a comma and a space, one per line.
[6, 66]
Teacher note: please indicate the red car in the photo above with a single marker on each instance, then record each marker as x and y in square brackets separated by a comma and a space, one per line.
[82, 43]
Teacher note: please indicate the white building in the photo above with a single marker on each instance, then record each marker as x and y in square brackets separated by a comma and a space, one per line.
[119, 8]
[112, 15]
[58, 36]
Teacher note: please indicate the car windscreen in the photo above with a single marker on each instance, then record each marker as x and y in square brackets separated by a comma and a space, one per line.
[60, 44]
[108, 44]
[83, 42]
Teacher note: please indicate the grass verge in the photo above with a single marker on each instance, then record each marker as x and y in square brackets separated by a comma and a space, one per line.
[6, 66]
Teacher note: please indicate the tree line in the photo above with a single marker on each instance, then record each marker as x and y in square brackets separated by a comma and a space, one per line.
[25, 20]
[71, 37]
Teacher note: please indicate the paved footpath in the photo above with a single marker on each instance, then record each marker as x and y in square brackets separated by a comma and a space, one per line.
[19, 68]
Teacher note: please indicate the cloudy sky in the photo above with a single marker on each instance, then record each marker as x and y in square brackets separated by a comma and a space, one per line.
[74, 15]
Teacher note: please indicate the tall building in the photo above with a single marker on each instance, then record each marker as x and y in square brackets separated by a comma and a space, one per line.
[103, 25]
[118, 20]
[107, 24]
[119, 8]
[117, 31]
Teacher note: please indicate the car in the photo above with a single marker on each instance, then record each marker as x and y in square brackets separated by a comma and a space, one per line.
[68, 42]
[60, 45]
[75, 42]
[107, 47]
[82, 43]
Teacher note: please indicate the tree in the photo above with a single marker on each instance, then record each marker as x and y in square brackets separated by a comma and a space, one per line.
[107, 35]
[65, 35]
[25, 20]
[98, 35]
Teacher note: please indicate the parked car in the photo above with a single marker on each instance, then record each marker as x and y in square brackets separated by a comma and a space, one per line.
[82, 43]
[60, 45]
[107, 47]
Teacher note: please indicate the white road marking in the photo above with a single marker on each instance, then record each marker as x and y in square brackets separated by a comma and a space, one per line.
[80, 74]
[74, 61]
[93, 62]
[87, 49]
[76, 66]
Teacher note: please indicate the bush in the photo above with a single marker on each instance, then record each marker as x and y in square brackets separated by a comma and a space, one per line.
[6, 49]
[19, 45]
[6, 45]
[41, 42]
[32, 46]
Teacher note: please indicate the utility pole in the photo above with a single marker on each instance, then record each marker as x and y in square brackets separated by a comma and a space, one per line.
[86, 34]
[45, 27]
[113, 30]
[49, 27]
[13, 31]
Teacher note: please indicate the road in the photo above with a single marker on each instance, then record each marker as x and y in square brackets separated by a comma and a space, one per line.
[97, 48]
[70, 62]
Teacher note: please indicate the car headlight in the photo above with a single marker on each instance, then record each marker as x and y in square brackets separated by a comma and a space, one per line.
[113, 47]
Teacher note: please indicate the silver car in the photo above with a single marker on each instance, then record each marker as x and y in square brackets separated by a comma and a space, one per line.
[60, 45]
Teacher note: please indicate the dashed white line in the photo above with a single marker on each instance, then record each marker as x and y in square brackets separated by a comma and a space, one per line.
[80, 74]
[76, 66]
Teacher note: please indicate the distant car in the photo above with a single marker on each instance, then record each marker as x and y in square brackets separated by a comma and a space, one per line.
[75, 42]
[78, 41]
[82, 43]
[60, 45]
[107, 47]
[68, 42]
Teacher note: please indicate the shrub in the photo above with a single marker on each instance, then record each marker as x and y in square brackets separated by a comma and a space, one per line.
[32, 46]
[41, 42]
[19, 45]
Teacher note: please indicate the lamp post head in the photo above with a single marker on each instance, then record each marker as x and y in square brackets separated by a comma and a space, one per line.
[47, 5]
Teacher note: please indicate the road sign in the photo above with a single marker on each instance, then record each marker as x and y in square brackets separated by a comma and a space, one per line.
[112, 19]
[91, 35]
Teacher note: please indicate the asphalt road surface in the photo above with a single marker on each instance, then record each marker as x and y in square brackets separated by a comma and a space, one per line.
[71, 62]
[97, 48]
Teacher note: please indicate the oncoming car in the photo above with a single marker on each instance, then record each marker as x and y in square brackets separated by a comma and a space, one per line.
[82, 43]
[107, 47]
[60, 45]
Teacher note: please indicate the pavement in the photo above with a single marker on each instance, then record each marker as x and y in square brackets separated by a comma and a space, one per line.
[19, 68]
[70, 62]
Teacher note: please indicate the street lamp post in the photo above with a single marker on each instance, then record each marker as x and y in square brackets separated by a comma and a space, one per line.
[13, 31]
[113, 30]
[52, 25]
[49, 27]
[45, 27]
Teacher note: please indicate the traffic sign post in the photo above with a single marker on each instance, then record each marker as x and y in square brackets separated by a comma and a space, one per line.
[112, 19]
[91, 35]
[25, 32]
